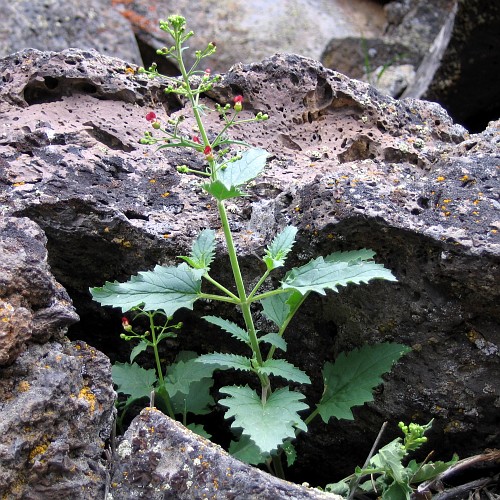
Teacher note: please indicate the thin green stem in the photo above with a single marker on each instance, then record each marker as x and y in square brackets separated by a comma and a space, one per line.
[220, 287]
[219, 298]
[258, 285]
[270, 293]
[278, 466]
[311, 417]
[152, 327]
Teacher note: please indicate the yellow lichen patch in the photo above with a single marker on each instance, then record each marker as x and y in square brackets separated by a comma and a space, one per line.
[23, 386]
[39, 450]
[440, 179]
[165, 194]
[17, 184]
[88, 396]
[152, 181]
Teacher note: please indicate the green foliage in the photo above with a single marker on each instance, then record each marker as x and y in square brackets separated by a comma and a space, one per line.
[389, 477]
[323, 274]
[267, 420]
[351, 379]
[267, 423]
[165, 288]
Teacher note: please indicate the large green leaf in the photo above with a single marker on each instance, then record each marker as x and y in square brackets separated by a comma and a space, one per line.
[229, 327]
[225, 361]
[269, 424]
[350, 256]
[282, 368]
[428, 471]
[166, 288]
[186, 370]
[199, 429]
[279, 248]
[236, 174]
[319, 275]
[133, 380]
[198, 400]
[351, 379]
[202, 253]
[241, 171]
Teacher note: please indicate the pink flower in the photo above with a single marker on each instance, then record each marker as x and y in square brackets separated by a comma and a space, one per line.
[207, 150]
[196, 139]
[151, 116]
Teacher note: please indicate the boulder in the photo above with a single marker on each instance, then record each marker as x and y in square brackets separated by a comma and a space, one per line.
[160, 458]
[246, 31]
[350, 167]
[54, 25]
[56, 396]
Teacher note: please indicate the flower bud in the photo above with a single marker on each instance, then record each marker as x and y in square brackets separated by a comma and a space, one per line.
[151, 116]
[156, 125]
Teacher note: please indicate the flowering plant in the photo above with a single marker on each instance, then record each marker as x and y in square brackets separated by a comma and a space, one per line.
[267, 415]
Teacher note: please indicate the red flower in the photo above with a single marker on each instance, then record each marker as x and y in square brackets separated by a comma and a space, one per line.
[207, 150]
[196, 139]
[238, 99]
[151, 116]
[125, 321]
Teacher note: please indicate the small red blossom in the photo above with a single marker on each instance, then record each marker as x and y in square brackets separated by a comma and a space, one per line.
[238, 99]
[196, 139]
[151, 116]
[125, 321]
[207, 150]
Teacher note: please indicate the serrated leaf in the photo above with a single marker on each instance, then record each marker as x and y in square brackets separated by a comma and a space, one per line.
[290, 452]
[229, 327]
[350, 256]
[389, 458]
[198, 400]
[165, 288]
[269, 424]
[203, 251]
[279, 248]
[247, 451]
[282, 368]
[199, 429]
[351, 379]
[275, 340]
[241, 171]
[185, 371]
[140, 347]
[429, 470]
[225, 361]
[133, 380]
[319, 275]
[397, 491]
[278, 308]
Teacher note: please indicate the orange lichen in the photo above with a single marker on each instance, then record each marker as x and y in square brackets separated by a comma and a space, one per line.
[39, 449]
[89, 397]
[23, 386]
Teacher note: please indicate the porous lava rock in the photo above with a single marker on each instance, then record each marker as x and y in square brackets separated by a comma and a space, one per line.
[56, 396]
[159, 458]
[350, 167]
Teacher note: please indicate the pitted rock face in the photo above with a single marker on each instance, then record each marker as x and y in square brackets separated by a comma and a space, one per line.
[350, 167]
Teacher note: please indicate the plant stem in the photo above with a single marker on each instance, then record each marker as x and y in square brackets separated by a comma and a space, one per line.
[278, 466]
[152, 327]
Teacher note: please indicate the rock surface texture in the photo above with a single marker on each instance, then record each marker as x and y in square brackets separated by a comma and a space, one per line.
[158, 458]
[350, 167]
[56, 396]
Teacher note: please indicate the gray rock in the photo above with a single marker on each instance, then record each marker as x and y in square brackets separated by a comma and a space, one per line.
[350, 167]
[158, 458]
[250, 30]
[55, 25]
[33, 305]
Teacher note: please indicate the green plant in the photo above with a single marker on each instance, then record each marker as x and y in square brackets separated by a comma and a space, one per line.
[179, 389]
[266, 420]
[390, 479]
